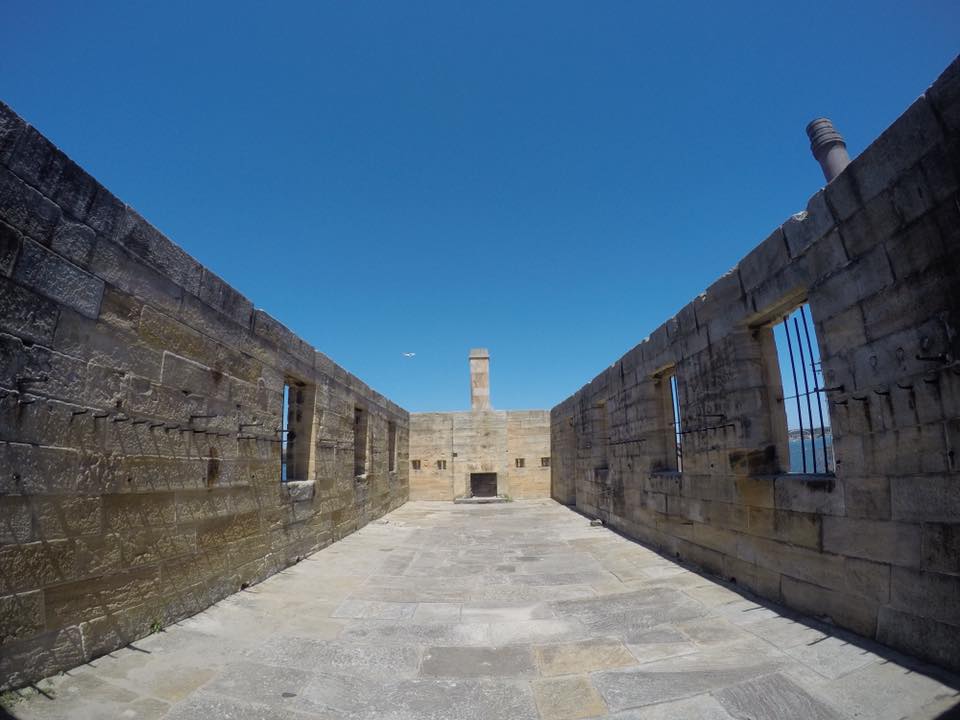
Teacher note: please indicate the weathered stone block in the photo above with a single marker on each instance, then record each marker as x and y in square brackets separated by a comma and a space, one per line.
[61, 516]
[941, 548]
[925, 498]
[25, 314]
[21, 616]
[76, 602]
[103, 634]
[23, 661]
[125, 271]
[135, 511]
[146, 242]
[809, 494]
[920, 636]
[848, 611]
[865, 276]
[867, 497]
[944, 95]
[193, 378]
[10, 241]
[928, 594]
[58, 279]
[898, 148]
[277, 333]
[868, 579]
[215, 533]
[105, 213]
[38, 564]
[792, 527]
[37, 161]
[220, 296]
[892, 542]
[75, 242]
[806, 228]
[11, 128]
[25, 209]
[31, 470]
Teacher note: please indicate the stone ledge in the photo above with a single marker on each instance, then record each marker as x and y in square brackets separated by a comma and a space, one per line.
[299, 490]
[480, 500]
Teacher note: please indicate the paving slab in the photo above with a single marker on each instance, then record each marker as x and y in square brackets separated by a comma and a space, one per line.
[568, 698]
[512, 661]
[582, 657]
[469, 612]
[771, 698]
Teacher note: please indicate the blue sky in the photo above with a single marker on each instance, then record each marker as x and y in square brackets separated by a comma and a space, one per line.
[551, 180]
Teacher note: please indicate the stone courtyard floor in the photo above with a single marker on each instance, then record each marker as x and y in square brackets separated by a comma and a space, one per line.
[513, 611]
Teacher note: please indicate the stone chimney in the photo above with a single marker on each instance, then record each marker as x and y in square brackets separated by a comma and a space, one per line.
[479, 379]
[828, 147]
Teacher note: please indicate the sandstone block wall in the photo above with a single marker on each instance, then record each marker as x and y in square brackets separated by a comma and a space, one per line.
[482, 441]
[874, 546]
[139, 401]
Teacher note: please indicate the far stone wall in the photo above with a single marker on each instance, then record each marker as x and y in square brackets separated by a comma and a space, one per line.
[451, 446]
[140, 399]
[874, 546]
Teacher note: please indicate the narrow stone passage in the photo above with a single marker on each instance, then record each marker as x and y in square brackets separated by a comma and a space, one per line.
[513, 611]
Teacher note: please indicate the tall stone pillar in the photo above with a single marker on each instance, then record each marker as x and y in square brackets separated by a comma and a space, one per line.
[480, 379]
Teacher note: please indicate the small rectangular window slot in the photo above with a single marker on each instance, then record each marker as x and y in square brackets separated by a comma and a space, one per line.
[677, 424]
[359, 441]
[391, 446]
[296, 430]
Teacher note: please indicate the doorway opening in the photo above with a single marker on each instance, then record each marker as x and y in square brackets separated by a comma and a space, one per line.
[483, 484]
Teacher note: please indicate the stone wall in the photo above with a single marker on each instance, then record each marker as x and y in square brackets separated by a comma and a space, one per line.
[140, 397]
[481, 441]
[875, 546]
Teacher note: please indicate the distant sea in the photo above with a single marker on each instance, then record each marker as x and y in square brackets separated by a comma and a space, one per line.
[800, 449]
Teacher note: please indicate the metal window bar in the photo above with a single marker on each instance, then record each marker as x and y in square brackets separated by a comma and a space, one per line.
[808, 390]
[677, 429]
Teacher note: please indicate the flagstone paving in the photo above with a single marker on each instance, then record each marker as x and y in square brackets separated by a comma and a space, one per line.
[513, 611]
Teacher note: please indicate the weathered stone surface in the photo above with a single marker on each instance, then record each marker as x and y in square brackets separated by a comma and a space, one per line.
[25, 209]
[21, 616]
[145, 241]
[654, 683]
[10, 241]
[100, 428]
[278, 649]
[477, 662]
[582, 657]
[57, 279]
[568, 698]
[771, 698]
[466, 699]
[701, 707]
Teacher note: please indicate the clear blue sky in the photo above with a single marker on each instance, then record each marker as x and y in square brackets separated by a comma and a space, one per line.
[551, 180]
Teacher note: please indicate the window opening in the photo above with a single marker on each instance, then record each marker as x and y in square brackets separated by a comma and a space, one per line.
[809, 432]
[285, 438]
[677, 426]
[296, 426]
[441, 464]
[359, 441]
[544, 462]
[391, 446]
[519, 462]
[415, 464]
